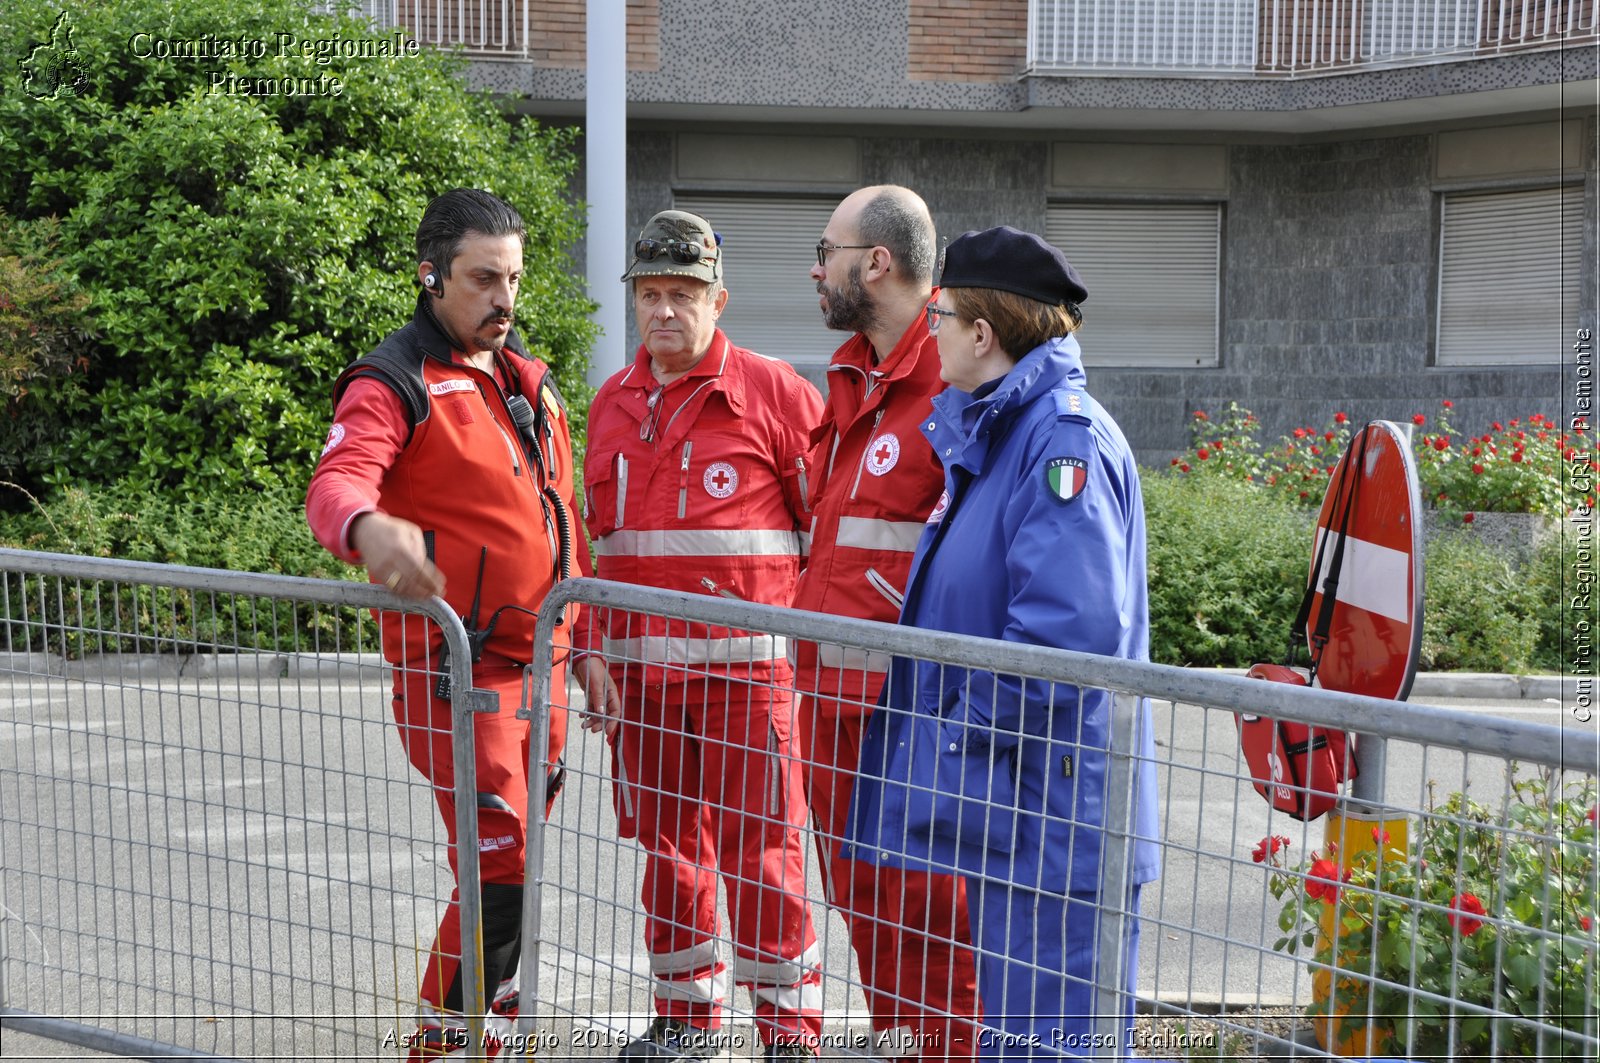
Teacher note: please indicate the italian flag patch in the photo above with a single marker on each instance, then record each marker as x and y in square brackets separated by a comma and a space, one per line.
[1066, 477]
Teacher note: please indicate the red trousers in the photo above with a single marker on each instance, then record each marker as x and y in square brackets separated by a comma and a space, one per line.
[708, 781]
[500, 746]
[909, 929]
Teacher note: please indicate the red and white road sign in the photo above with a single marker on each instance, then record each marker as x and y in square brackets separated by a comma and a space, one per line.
[1375, 631]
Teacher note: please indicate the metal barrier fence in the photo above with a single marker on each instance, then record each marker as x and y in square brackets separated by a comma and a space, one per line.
[1421, 923]
[211, 842]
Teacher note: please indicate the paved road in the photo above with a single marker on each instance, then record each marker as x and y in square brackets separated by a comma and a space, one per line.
[275, 829]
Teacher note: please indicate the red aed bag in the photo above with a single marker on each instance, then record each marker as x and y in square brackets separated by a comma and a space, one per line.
[1297, 768]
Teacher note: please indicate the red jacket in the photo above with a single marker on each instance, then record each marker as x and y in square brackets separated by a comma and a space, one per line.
[876, 481]
[461, 476]
[713, 503]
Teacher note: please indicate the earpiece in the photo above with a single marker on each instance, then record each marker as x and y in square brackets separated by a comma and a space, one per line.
[434, 285]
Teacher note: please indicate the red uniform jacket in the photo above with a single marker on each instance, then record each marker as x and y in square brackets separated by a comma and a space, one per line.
[462, 476]
[875, 482]
[713, 502]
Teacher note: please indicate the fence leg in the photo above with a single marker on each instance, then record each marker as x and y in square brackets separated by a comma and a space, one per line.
[536, 707]
[1111, 974]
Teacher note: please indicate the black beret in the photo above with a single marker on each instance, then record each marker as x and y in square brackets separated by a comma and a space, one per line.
[1012, 261]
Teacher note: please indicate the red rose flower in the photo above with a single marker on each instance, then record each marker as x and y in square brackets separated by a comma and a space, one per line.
[1417, 418]
[1269, 846]
[1468, 518]
[1516, 456]
[1477, 468]
[1593, 814]
[1586, 922]
[1300, 433]
[1441, 443]
[1465, 908]
[1200, 415]
[1449, 405]
[1498, 427]
[1340, 417]
[1513, 422]
[1323, 883]
[1327, 436]
[1184, 467]
[1380, 835]
[1202, 454]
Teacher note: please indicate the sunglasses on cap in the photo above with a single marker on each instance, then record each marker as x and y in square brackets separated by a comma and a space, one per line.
[683, 252]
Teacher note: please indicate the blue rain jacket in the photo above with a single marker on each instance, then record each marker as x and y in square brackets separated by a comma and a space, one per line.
[1039, 539]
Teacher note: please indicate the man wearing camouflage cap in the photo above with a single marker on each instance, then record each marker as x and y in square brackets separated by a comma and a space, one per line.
[695, 479]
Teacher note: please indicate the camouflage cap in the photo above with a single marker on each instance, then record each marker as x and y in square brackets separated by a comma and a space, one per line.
[676, 243]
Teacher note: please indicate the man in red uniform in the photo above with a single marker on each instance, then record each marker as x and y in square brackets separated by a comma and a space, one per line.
[448, 470]
[695, 481]
[875, 481]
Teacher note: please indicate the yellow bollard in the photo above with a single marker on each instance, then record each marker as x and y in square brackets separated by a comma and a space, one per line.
[1350, 834]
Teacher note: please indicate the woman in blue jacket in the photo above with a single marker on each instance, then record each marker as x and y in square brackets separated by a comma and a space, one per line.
[1039, 538]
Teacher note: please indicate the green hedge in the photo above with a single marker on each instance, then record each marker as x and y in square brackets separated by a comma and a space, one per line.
[255, 532]
[1228, 563]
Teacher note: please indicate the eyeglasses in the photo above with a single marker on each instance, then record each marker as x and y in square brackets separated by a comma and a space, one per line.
[823, 247]
[683, 252]
[934, 314]
[652, 416]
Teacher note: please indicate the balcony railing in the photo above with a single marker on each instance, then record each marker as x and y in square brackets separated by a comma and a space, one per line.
[1289, 38]
[480, 27]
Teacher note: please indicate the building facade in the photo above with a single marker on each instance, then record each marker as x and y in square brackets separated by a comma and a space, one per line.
[1299, 205]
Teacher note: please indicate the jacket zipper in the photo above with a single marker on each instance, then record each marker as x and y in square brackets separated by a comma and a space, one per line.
[872, 437]
[805, 489]
[622, 488]
[683, 480]
[716, 588]
[511, 446]
[885, 588]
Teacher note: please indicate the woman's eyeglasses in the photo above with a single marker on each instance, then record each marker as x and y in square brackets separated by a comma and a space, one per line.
[683, 252]
[934, 314]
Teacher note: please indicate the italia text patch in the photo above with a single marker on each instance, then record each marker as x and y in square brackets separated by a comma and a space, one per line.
[1066, 477]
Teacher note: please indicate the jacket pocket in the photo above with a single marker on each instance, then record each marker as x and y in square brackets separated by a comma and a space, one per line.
[961, 793]
[605, 493]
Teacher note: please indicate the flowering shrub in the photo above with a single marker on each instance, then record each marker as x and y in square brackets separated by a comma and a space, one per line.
[1463, 940]
[1525, 465]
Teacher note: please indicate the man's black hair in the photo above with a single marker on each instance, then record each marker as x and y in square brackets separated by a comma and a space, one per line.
[461, 212]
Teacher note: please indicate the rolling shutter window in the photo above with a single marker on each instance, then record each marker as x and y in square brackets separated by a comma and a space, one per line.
[1154, 277]
[1510, 275]
[769, 244]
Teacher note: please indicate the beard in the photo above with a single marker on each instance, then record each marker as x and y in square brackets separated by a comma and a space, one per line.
[850, 308]
[484, 340]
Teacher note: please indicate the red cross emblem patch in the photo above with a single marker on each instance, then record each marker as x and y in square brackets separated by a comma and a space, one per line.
[882, 453]
[720, 479]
